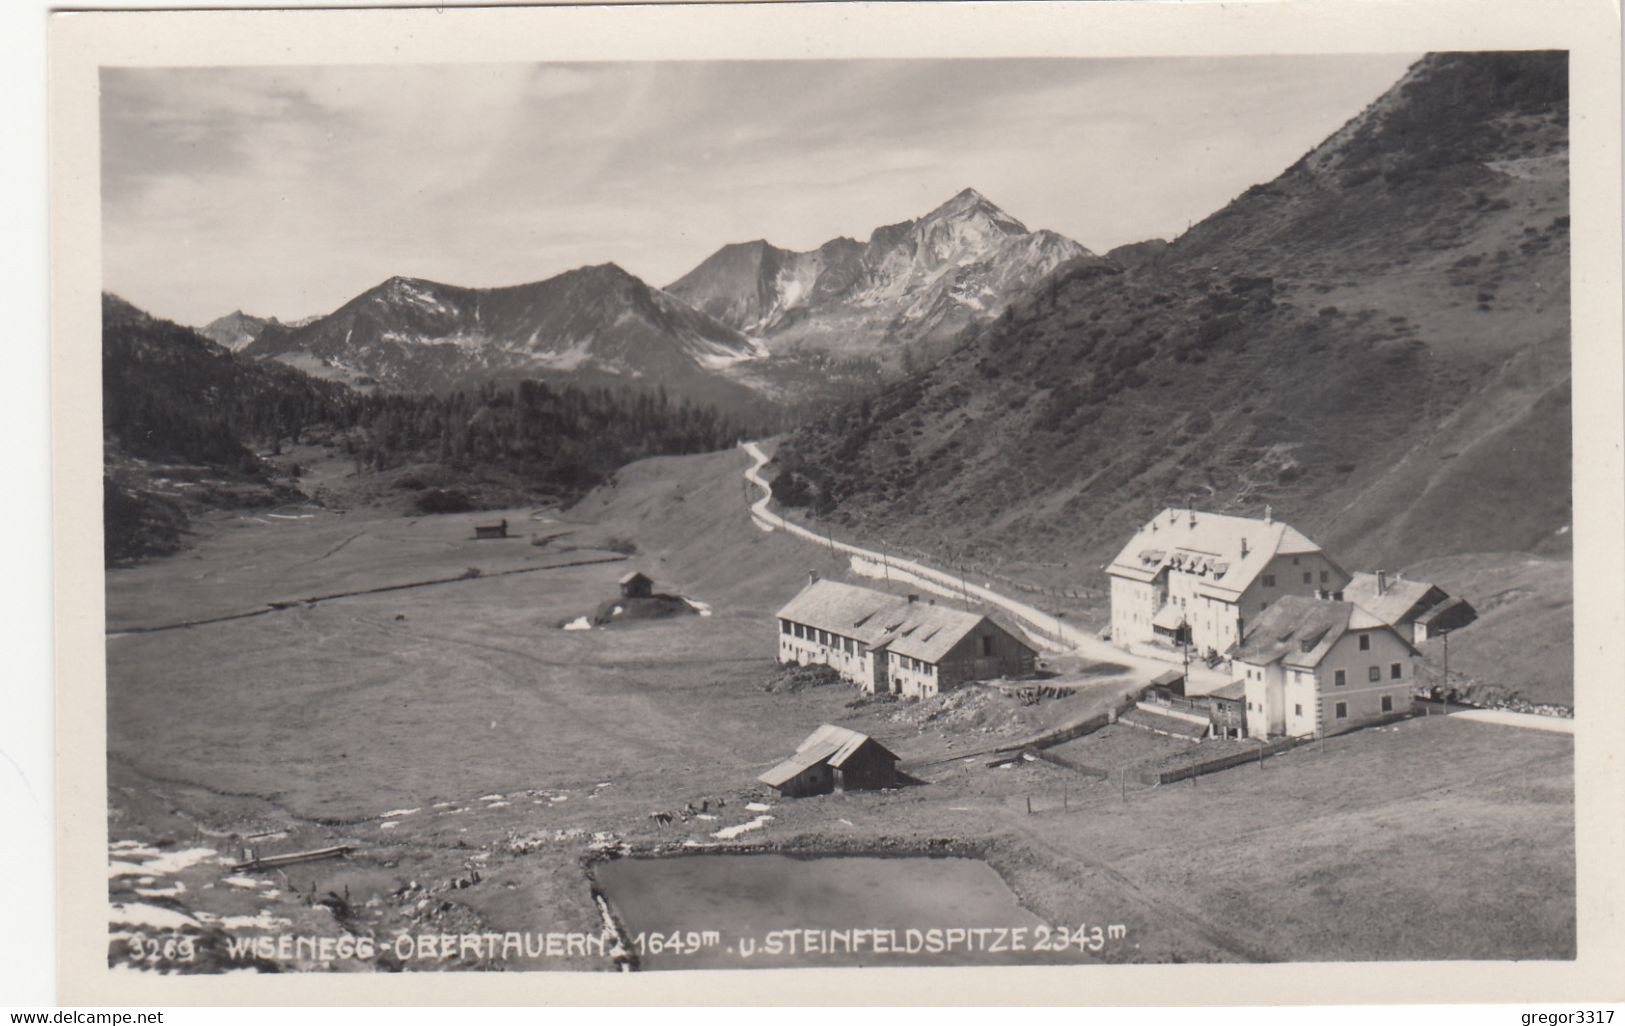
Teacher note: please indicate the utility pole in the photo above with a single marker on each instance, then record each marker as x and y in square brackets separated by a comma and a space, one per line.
[1444, 692]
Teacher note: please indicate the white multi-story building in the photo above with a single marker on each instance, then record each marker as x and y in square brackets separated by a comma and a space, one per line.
[1311, 667]
[1201, 578]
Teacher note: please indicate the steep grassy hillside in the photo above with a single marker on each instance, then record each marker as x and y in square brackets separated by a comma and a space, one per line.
[1376, 344]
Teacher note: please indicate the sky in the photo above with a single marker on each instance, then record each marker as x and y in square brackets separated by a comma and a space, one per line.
[285, 191]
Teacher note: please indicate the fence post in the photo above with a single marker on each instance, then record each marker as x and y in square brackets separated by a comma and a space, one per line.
[1029, 805]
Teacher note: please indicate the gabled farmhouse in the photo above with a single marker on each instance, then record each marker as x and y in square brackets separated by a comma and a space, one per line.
[1201, 578]
[636, 585]
[834, 759]
[1416, 609]
[1313, 667]
[902, 646]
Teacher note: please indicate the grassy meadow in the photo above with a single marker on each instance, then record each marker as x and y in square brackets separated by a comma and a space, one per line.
[476, 755]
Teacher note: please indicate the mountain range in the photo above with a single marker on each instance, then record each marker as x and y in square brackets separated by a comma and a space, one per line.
[1375, 344]
[591, 325]
[752, 324]
[921, 280]
[237, 329]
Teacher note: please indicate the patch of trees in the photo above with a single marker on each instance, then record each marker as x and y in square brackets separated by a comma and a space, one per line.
[563, 439]
[169, 394]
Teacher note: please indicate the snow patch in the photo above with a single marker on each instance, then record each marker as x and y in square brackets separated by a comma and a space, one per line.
[699, 607]
[152, 916]
[263, 920]
[398, 813]
[729, 833]
[165, 863]
[580, 623]
[757, 806]
[174, 890]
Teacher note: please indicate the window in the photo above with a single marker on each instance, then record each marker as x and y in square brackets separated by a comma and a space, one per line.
[1294, 560]
[1297, 710]
[1365, 642]
[1324, 577]
[1269, 580]
[1308, 578]
[1374, 674]
[1340, 678]
[987, 644]
[1396, 671]
[1341, 710]
[1387, 703]
[801, 632]
[784, 626]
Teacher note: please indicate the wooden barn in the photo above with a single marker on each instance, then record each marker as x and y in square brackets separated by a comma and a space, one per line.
[496, 530]
[636, 585]
[834, 759]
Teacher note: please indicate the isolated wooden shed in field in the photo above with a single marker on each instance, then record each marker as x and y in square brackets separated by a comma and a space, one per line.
[636, 585]
[834, 759]
[496, 530]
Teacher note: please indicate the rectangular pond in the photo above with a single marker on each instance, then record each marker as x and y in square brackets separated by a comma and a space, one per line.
[730, 911]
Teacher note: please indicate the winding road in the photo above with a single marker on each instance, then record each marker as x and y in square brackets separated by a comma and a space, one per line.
[1049, 632]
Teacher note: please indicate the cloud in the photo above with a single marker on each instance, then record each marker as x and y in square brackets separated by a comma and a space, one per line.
[287, 190]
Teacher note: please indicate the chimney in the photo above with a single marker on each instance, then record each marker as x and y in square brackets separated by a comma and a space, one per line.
[1193, 519]
[1382, 582]
[812, 576]
[1243, 548]
[1269, 514]
[912, 599]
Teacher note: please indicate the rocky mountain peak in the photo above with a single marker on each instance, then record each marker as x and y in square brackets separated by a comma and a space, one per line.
[969, 204]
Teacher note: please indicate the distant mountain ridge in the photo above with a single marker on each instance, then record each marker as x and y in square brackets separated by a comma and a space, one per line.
[753, 327]
[1375, 343]
[595, 324]
[919, 280]
[237, 329]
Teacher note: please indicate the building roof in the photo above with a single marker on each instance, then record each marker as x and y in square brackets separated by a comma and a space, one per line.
[1167, 677]
[1299, 631]
[1400, 600]
[634, 575]
[1235, 691]
[1168, 617]
[881, 620]
[928, 633]
[1448, 605]
[829, 743]
[1225, 552]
